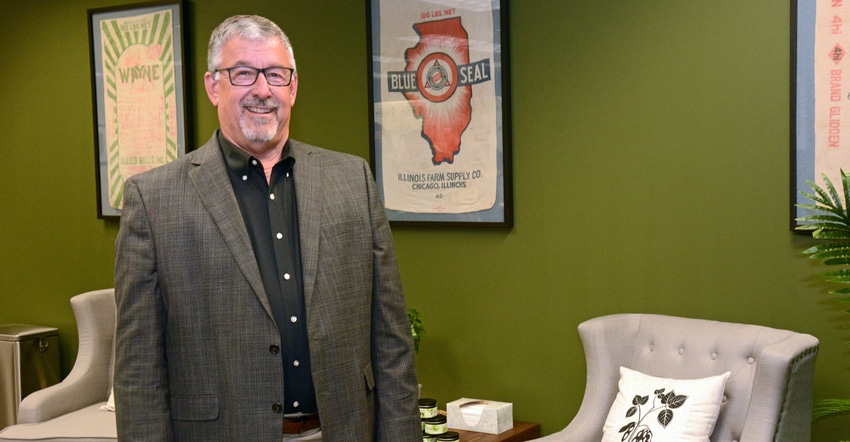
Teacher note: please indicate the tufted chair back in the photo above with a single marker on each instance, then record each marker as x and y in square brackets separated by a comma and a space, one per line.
[767, 398]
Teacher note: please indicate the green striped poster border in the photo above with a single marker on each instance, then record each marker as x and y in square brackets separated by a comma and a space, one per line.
[114, 43]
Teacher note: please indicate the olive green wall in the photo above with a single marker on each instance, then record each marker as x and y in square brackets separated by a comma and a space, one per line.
[651, 159]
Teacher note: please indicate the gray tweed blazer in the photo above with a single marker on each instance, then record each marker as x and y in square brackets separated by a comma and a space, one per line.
[194, 333]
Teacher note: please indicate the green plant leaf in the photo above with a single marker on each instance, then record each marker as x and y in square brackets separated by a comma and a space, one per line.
[842, 250]
[836, 261]
[825, 256]
[827, 247]
[836, 219]
[840, 273]
[826, 209]
[416, 327]
[820, 202]
[830, 202]
[807, 206]
[831, 234]
[822, 408]
[822, 197]
[839, 276]
[829, 227]
[836, 200]
[832, 226]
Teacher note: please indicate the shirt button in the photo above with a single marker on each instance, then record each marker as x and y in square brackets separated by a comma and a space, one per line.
[293, 319]
[296, 363]
[277, 408]
[244, 177]
[286, 276]
[287, 174]
[295, 404]
[279, 235]
[271, 196]
[254, 162]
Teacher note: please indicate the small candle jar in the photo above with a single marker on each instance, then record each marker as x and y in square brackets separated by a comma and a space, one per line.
[436, 425]
[428, 438]
[449, 436]
[427, 408]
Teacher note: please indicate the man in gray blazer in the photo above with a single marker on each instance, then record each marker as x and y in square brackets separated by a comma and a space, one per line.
[258, 293]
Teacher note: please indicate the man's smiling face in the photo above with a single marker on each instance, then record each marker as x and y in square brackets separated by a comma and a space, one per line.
[256, 117]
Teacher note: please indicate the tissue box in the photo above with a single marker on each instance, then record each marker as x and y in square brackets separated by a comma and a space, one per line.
[480, 415]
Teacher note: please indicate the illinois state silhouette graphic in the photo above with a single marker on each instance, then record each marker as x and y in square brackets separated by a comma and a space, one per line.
[442, 99]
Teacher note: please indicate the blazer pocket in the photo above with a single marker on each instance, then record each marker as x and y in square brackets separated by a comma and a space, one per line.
[342, 227]
[194, 408]
[369, 377]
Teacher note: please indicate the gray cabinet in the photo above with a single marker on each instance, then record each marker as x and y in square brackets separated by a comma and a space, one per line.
[29, 361]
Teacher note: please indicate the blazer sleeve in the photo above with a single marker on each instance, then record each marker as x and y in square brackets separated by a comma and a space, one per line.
[141, 384]
[392, 344]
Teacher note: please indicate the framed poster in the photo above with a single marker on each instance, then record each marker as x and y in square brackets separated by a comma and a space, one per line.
[820, 97]
[138, 94]
[440, 111]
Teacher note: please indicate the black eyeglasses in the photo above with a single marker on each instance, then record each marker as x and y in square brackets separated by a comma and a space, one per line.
[247, 76]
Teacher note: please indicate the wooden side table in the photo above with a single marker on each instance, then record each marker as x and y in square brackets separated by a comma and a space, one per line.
[521, 432]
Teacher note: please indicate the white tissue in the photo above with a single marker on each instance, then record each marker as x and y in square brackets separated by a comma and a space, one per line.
[471, 412]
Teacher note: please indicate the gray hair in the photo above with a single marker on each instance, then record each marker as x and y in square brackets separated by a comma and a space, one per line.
[248, 27]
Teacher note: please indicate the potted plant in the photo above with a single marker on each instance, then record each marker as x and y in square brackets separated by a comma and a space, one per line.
[832, 227]
[416, 327]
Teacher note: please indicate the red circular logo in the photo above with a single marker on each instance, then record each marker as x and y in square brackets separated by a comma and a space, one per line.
[437, 77]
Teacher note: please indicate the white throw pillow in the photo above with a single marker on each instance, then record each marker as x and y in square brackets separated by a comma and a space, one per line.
[658, 410]
[110, 404]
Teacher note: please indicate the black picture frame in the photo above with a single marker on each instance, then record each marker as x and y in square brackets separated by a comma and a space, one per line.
[138, 93]
[440, 115]
[820, 98]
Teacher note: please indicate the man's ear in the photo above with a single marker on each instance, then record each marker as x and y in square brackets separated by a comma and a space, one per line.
[211, 86]
[293, 89]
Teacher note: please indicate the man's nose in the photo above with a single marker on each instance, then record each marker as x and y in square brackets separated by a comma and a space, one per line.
[261, 86]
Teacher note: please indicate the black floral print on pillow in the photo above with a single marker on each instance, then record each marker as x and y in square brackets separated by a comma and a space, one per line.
[664, 403]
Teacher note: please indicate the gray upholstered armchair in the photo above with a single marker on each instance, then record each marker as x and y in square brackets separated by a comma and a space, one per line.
[70, 410]
[767, 398]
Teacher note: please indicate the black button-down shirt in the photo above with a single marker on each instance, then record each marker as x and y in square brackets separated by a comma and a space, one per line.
[270, 213]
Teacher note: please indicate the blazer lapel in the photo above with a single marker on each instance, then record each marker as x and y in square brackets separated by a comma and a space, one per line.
[308, 191]
[211, 181]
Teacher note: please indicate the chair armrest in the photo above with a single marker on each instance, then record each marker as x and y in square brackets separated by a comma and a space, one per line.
[606, 349]
[90, 379]
[781, 402]
[63, 398]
